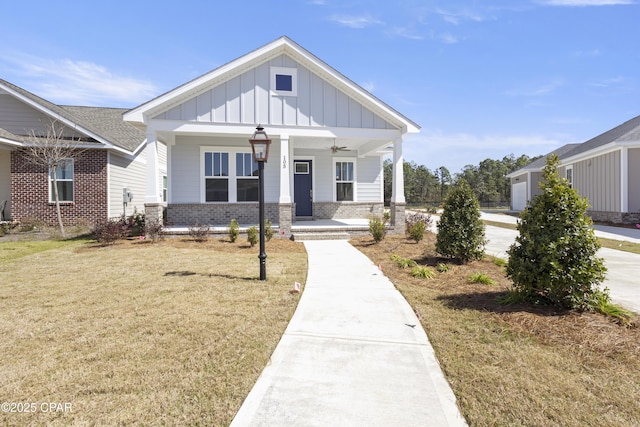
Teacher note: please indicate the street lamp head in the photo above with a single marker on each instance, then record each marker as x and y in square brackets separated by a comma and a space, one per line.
[260, 144]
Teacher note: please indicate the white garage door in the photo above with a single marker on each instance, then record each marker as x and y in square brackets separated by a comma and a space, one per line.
[519, 196]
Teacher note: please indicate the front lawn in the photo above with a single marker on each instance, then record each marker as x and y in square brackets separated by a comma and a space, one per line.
[515, 365]
[172, 333]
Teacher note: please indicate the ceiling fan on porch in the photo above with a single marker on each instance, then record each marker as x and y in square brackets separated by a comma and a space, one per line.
[334, 148]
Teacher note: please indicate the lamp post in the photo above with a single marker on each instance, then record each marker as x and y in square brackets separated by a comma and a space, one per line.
[260, 146]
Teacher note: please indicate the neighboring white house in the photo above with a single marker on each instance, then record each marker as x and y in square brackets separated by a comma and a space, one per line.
[328, 135]
[92, 185]
[604, 169]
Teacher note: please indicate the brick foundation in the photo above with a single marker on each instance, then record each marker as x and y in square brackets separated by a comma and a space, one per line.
[219, 214]
[615, 217]
[345, 210]
[398, 217]
[30, 190]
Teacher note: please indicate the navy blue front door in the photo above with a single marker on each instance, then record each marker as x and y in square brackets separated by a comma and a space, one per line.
[302, 187]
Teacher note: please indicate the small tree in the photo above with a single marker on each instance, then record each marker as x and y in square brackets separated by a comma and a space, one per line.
[460, 230]
[52, 150]
[553, 260]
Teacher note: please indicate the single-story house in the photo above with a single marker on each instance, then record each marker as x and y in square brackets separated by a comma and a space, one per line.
[329, 137]
[604, 169]
[111, 162]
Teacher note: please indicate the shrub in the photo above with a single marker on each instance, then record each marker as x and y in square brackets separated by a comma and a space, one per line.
[253, 235]
[268, 230]
[422, 271]
[153, 230]
[107, 232]
[442, 267]
[481, 278]
[234, 230]
[553, 259]
[403, 262]
[30, 224]
[377, 228]
[416, 224]
[198, 232]
[460, 230]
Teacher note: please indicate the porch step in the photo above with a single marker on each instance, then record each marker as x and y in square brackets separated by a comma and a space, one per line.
[302, 236]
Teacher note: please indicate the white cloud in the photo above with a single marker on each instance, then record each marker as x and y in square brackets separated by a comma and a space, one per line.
[574, 3]
[66, 81]
[407, 33]
[614, 81]
[543, 89]
[448, 38]
[358, 22]
[460, 15]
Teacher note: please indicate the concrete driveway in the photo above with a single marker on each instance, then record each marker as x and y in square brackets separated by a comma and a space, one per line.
[622, 267]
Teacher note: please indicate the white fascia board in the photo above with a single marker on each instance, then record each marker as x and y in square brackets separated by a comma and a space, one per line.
[603, 149]
[11, 142]
[202, 128]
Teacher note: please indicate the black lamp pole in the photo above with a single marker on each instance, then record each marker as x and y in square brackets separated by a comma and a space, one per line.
[262, 255]
[260, 146]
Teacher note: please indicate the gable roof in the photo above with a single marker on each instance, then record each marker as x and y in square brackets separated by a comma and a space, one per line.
[105, 125]
[282, 45]
[626, 132]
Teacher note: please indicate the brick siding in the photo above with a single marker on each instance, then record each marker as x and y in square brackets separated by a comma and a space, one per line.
[219, 213]
[615, 217]
[345, 210]
[30, 190]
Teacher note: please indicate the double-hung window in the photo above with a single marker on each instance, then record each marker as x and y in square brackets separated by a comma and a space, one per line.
[344, 181]
[216, 176]
[569, 175]
[63, 173]
[246, 178]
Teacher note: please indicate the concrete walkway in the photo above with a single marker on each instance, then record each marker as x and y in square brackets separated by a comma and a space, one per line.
[354, 354]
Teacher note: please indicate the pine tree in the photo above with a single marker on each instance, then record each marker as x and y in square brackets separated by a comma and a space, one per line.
[554, 258]
[460, 230]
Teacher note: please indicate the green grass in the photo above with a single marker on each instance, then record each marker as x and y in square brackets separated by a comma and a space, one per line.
[14, 250]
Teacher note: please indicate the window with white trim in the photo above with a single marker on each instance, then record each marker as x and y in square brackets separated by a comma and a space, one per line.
[284, 81]
[216, 176]
[569, 175]
[64, 180]
[164, 188]
[246, 178]
[344, 181]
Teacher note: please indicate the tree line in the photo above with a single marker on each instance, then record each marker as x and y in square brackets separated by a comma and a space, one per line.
[487, 180]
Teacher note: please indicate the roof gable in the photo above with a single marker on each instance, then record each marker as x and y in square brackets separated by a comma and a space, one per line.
[252, 71]
[97, 124]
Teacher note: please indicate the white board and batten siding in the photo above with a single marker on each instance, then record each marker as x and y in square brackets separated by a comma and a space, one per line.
[247, 99]
[369, 179]
[598, 179]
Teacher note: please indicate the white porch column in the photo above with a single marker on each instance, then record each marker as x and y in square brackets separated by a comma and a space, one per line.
[285, 167]
[151, 151]
[397, 191]
[152, 200]
[285, 207]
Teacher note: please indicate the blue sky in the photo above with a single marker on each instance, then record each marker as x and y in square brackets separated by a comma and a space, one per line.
[483, 78]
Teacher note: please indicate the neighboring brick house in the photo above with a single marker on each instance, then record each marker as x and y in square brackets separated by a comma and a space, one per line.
[112, 160]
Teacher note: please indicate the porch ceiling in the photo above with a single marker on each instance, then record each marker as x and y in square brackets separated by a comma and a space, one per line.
[360, 145]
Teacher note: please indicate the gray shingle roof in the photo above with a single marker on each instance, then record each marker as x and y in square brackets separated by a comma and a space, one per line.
[627, 131]
[105, 123]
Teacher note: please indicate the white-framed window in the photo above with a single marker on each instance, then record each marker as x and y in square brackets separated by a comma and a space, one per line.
[569, 175]
[64, 179]
[216, 176]
[246, 178]
[284, 81]
[164, 188]
[345, 181]
[229, 174]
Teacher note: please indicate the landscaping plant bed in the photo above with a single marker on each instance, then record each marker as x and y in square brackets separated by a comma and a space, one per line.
[516, 364]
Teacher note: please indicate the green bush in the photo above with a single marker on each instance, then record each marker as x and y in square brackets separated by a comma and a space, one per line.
[424, 272]
[460, 230]
[377, 228]
[553, 259]
[416, 224]
[234, 230]
[403, 262]
[268, 229]
[481, 278]
[253, 235]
